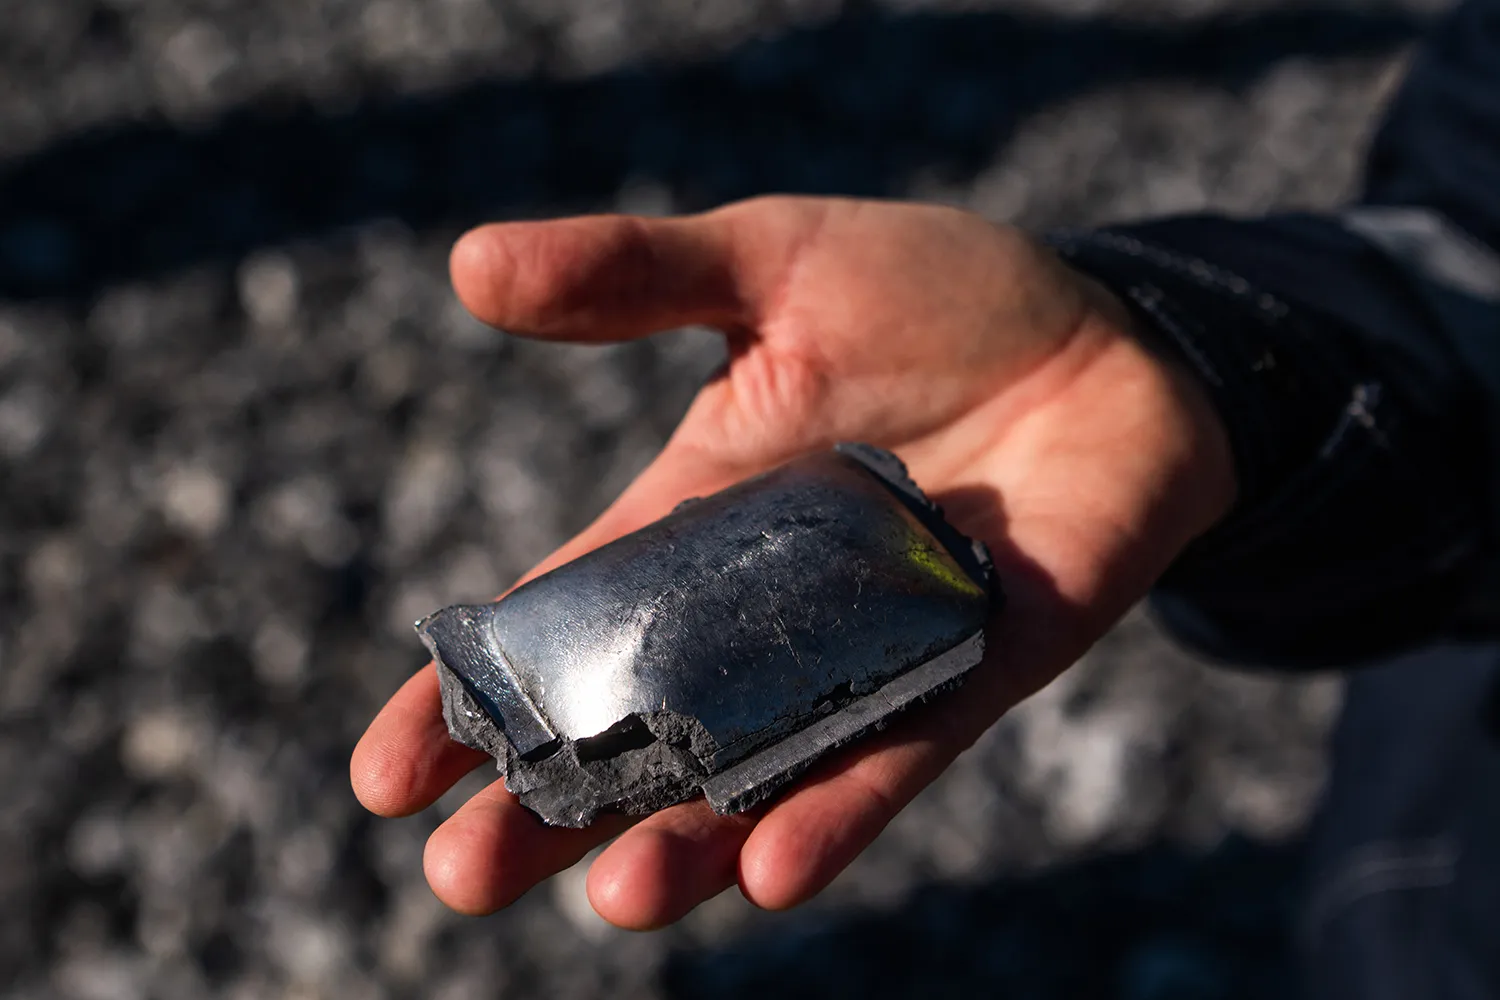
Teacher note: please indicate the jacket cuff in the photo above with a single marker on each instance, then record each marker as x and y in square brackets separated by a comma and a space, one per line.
[1278, 390]
[1360, 489]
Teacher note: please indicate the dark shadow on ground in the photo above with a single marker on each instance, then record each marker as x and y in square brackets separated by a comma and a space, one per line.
[1161, 924]
[852, 107]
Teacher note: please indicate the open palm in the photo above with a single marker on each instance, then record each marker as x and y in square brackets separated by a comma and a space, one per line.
[1013, 389]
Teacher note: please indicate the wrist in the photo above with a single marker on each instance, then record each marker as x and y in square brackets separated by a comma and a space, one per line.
[1273, 386]
[1199, 480]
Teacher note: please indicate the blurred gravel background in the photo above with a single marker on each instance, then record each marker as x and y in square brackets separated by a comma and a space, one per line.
[247, 436]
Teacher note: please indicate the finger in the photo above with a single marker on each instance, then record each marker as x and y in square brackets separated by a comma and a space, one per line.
[604, 277]
[667, 864]
[493, 849]
[814, 832]
[615, 277]
[406, 760]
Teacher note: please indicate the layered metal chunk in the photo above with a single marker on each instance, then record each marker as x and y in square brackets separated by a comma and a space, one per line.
[721, 649]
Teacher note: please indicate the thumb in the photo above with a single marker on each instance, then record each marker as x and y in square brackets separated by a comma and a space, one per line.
[616, 277]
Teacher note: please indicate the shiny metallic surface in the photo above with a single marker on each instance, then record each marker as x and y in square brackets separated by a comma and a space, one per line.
[773, 614]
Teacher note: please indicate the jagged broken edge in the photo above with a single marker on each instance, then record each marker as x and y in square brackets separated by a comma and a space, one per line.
[748, 782]
[469, 724]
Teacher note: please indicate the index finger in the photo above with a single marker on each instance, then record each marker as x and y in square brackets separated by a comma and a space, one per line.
[406, 759]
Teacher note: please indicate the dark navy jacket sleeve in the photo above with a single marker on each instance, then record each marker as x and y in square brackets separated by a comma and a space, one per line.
[1355, 360]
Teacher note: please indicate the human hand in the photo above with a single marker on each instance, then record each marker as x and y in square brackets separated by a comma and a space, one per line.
[1012, 387]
